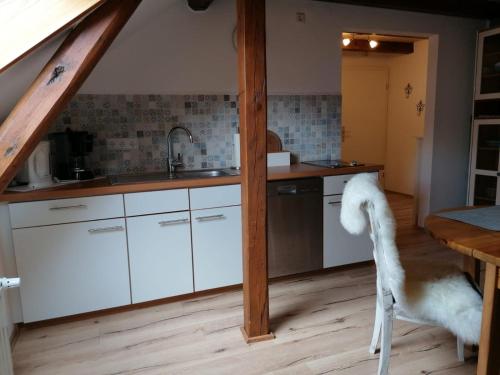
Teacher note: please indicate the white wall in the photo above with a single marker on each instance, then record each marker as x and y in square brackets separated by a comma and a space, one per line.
[166, 48]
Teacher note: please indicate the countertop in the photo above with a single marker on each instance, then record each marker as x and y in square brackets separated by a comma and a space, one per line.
[103, 187]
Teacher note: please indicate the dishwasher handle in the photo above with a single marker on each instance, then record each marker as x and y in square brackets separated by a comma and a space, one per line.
[287, 190]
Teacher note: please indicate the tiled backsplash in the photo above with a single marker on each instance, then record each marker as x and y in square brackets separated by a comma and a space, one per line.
[130, 131]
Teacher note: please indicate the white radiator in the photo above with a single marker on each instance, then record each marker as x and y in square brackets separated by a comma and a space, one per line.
[5, 353]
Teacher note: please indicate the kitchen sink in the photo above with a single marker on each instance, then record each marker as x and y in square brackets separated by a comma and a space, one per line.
[163, 176]
[203, 173]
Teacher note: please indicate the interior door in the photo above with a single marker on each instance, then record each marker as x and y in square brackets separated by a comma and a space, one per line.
[364, 113]
[5, 353]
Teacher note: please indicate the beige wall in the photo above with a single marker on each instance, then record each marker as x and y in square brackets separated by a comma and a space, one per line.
[403, 124]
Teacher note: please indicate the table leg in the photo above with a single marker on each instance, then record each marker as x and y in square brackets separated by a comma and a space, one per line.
[489, 345]
[473, 267]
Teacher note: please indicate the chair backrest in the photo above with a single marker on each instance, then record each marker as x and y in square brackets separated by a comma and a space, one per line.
[363, 193]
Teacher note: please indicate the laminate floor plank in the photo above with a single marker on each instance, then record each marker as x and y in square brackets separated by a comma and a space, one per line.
[323, 325]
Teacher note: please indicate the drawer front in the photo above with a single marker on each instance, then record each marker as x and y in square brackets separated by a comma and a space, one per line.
[153, 202]
[58, 211]
[335, 184]
[217, 196]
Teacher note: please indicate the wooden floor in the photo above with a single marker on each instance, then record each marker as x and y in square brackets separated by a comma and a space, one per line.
[322, 323]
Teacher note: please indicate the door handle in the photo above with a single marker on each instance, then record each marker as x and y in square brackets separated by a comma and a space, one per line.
[210, 218]
[106, 229]
[68, 207]
[173, 222]
[334, 203]
[287, 190]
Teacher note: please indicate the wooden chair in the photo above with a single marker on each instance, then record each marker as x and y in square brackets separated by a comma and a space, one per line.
[396, 289]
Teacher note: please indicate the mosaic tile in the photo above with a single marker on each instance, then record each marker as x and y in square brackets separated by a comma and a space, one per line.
[130, 130]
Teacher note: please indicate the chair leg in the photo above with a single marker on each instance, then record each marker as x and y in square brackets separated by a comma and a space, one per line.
[377, 327]
[460, 349]
[385, 345]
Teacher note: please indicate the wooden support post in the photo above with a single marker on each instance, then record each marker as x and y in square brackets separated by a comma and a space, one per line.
[489, 346]
[57, 83]
[253, 128]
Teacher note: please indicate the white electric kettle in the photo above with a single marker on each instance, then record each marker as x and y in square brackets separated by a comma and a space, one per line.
[36, 170]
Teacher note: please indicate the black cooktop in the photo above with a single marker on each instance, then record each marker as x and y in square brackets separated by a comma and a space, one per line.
[333, 163]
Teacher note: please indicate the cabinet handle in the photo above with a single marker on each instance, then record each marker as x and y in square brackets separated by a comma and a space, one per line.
[106, 229]
[209, 218]
[333, 203]
[68, 207]
[172, 222]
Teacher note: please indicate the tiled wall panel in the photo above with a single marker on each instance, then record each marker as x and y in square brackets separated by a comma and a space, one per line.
[130, 130]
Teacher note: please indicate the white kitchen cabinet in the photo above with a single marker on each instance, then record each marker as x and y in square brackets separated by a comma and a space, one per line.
[215, 196]
[217, 247]
[72, 268]
[155, 202]
[339, 246]
[58, 211]
[160, 256]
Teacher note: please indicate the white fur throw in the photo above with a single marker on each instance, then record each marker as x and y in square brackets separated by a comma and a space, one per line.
[439, 294]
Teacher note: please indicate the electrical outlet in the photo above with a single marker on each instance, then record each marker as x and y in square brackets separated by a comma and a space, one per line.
[301, 17]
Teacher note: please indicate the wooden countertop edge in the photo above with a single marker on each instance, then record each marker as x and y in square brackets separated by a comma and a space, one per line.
[90, 189]
[305, 170]
[454, 245]
[101, 187]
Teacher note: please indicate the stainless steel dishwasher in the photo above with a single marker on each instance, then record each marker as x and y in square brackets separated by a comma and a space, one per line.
[295, 226]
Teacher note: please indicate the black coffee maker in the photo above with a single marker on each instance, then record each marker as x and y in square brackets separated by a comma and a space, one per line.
[68, 151]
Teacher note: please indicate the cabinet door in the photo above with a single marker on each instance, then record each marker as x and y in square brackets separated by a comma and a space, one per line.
[488, 65]
[72, 268]
[217, 247]
[485, 162]
[339, 246]
[160, 256]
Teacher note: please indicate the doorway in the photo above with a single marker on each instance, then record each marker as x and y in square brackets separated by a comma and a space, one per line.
[383, 105]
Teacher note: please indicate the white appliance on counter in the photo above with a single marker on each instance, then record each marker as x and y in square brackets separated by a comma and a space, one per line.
[36, 170]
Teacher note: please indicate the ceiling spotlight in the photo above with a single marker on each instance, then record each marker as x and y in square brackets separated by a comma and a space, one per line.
[346, 41]
[373, 43]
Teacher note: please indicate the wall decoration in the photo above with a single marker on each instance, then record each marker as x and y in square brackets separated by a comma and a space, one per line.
[408, 90]
[420, 107]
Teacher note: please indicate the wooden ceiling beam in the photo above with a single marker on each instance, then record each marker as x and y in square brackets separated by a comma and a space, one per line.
[25, 25]
[362, 45]
[253, 132]
[198, 5]
[57, 83]
[482, 9]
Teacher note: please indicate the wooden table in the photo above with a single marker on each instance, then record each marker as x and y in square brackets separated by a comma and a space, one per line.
[477, 244]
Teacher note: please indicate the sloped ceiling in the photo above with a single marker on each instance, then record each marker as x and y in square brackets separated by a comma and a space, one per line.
[26, 24]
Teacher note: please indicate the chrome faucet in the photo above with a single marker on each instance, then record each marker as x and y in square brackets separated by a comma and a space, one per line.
[172, 162]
